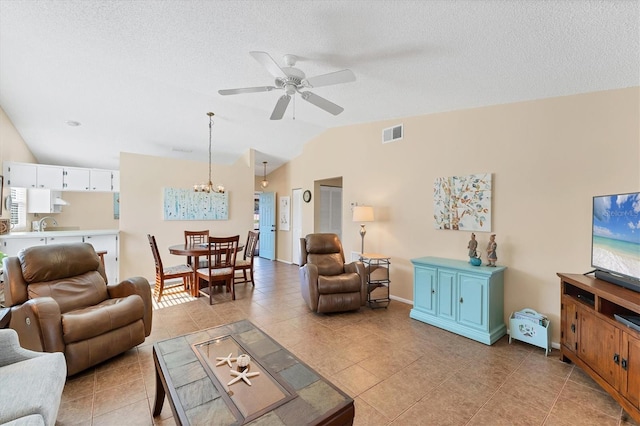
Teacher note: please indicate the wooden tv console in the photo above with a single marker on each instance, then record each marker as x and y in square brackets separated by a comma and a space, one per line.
[590, 336]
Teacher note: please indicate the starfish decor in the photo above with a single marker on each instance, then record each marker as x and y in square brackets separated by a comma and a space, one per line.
[242, 376]
[225, 360]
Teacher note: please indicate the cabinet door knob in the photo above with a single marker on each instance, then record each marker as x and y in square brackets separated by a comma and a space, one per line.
[433, 291]
[616, 358]
[461, 300]
[573, 328]
[624, 363]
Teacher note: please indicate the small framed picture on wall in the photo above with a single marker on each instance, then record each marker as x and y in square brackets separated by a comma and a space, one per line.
[284, 214]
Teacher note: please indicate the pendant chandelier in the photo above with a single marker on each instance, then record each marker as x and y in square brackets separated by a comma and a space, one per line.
[209, 186]
[264, 182]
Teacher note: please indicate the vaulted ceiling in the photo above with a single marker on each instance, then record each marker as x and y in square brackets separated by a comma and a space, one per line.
[140, 76]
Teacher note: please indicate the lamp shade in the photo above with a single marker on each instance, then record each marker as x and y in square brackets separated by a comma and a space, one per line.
[363, 214]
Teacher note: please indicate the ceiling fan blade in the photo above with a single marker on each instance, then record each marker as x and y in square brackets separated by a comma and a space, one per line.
[267, 61]
[281, 107]
[338, 77]
[246, 90]
[321, 102]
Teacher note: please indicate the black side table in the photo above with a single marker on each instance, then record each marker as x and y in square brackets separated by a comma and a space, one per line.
[377, 266]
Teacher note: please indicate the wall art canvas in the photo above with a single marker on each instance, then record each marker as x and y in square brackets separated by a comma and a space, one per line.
[116, 205]
[285, 214]
[185, 204]
[463, 202]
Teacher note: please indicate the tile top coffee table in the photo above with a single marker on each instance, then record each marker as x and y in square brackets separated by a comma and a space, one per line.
[192, 372]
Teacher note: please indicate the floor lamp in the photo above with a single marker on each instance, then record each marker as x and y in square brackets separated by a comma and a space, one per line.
[362, 214]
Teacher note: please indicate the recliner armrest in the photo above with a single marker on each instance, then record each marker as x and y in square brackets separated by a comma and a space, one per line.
[38, 323]
[309, 285]
[359, 268]
[139, 286]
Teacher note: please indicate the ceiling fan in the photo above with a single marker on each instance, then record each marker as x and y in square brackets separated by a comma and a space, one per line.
[292, 80]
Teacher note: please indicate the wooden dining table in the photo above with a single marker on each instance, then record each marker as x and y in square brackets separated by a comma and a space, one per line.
[193, 252]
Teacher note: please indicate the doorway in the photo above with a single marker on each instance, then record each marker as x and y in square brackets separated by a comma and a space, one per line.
[296, 225]
[331, 210]
[267, 224]
[328, 206]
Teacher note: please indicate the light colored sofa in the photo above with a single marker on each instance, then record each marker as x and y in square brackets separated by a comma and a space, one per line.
[31, 383]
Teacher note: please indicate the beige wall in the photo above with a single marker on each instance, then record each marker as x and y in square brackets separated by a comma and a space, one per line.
[548, 158]
[88, 210]
[12, 148]
[142, 179]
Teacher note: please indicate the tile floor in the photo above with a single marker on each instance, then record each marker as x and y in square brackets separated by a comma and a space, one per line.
[399, 371]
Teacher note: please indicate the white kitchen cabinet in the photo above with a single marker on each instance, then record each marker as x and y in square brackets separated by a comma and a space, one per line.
[41, 200]
[77, 179]
[106, 240]
[63, 240]
[11, 246]
[49, 177]
[21, 175]
[108, 243]
[115, 181]
[100, 180]
[29, 175]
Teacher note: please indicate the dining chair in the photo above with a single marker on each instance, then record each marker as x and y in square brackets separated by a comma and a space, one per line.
[192, 238]
[221, 260]
[172, 272]
[246, 263]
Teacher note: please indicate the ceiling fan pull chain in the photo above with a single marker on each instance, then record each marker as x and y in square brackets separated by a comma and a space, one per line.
[294, 107]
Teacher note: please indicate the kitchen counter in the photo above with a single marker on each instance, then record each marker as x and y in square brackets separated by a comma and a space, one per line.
[74, 233]
[103, 240]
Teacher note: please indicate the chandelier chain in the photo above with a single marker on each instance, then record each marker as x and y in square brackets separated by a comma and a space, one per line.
[208, 187]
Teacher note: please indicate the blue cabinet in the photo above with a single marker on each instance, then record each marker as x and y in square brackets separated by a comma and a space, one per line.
[427, 291]
[456, 296]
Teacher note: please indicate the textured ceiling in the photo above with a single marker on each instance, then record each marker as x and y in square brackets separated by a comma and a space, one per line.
[140, 76]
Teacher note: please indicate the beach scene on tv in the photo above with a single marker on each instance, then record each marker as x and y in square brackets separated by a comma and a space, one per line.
[616, 234]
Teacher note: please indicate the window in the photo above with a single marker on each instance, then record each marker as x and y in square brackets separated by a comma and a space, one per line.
[19, 209]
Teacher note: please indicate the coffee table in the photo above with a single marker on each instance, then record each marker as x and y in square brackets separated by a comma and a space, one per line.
[285, 392]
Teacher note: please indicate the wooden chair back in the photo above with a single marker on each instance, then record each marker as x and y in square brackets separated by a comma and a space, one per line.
[252, 243]
[221, 260]
[196, 237]
[185, 272]
[222, 252]
[246, 263]
[156, 253]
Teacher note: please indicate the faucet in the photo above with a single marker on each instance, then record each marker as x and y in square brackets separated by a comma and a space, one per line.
[42, 223]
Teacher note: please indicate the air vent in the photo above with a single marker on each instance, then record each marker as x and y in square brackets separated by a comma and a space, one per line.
[392, 134]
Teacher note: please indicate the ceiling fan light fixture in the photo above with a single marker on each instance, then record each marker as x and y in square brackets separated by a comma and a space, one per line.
[264, 182]
[292, 80]
[209, 186]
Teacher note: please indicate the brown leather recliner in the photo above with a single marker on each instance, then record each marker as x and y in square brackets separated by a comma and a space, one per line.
[328, 284]
[60, 302]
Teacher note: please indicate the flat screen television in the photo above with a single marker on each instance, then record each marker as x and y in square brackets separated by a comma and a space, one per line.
[615, 241]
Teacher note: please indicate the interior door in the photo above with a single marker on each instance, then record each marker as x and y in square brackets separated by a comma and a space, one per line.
[296, 225]
[331, 210]
[267, 207]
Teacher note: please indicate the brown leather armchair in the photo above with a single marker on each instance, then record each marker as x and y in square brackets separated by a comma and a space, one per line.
[60, 302]
[328, 284]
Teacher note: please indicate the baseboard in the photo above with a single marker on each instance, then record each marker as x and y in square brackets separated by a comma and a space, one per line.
[400, 299]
